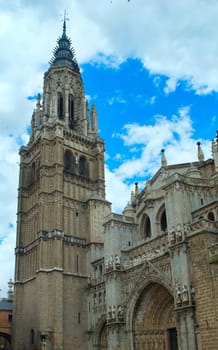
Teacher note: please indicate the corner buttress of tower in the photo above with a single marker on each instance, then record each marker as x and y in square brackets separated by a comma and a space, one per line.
[215, 151]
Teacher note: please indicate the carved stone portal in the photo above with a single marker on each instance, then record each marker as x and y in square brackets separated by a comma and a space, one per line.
[154, 316]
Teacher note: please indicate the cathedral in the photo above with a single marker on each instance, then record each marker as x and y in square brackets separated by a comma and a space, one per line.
[90, 279]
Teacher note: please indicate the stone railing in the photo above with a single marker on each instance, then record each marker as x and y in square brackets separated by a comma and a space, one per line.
[202, 225]
[119, 217]
[61, 235]
[146, 251]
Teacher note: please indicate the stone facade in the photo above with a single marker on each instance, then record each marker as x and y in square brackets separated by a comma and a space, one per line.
[87, 278]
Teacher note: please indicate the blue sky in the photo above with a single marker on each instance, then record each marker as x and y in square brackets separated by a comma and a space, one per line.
[149, 66]
[130, 94]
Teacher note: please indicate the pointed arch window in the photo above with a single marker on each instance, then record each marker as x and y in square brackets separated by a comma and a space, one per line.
[163, 221]
[60, 106]
[146, 226]
[37, 170]
[32, 174]
[71, 111]
[83, 167]
[69, 161]
[32, 336]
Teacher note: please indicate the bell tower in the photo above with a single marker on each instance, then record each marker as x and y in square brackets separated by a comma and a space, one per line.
[61, 205]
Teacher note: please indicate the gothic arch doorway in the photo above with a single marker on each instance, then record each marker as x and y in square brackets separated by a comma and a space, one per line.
[154, 320]
[103, 338]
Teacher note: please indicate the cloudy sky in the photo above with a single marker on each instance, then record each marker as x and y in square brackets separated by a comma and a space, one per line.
[150, 66]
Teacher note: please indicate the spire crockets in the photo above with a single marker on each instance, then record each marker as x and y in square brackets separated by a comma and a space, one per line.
[63, 53]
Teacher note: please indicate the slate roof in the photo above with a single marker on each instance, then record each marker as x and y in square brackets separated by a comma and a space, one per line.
[6, 305]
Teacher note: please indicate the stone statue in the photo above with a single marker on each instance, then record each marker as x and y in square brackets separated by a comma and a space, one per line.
[186, 229]
[106, 264]
[178, 296]
[113, 312]
[179, 233]
[111, 262]
[192, 294]
[185, 296]
[109, 314]
[120, 313]
[117, 262]
[172, 235]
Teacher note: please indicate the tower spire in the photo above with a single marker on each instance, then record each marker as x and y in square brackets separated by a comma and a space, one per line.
[63, 53]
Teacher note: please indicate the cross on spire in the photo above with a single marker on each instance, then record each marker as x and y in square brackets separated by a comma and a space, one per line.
[64, 21]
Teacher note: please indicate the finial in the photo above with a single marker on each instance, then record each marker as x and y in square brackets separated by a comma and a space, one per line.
[136, 189]
[64, 20]
[38, 102]
[163, 158]
[200, 152]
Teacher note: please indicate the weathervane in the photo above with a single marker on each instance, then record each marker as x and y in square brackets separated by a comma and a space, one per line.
[65, 16]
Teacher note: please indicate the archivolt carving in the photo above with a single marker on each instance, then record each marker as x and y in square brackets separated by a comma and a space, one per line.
[149, 273]
[149, 313]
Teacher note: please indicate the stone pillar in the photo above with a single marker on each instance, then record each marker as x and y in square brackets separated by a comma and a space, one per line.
[186, 328]
[184, 304]
[178, 207]
[113, 273]
[115, 310]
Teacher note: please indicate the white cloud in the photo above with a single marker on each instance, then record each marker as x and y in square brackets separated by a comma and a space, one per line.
[175, 135]
[8, 206]
[214, 120]
[118, 193]
[171, 85]
[175, 38]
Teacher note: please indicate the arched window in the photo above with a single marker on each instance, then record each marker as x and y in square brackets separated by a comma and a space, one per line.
[32, 336]
[163, 221]
[69, 161]
[32, 173]
[37, 169]
[210, 216]
[146, 226]
[60, 106]
[83, 167]
[71, 111]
